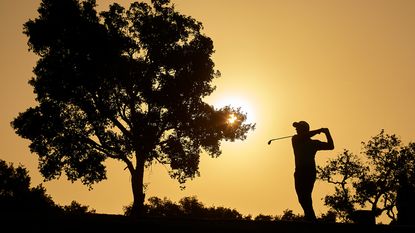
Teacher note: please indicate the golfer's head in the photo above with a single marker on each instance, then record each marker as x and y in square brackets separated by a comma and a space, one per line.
[302, 127]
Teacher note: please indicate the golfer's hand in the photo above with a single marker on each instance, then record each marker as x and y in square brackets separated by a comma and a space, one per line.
[324, 130]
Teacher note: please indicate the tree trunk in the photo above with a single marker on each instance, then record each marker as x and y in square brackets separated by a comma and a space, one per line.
[137, 184]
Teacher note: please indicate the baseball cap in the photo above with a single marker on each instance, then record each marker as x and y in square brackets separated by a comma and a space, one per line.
[301, 125]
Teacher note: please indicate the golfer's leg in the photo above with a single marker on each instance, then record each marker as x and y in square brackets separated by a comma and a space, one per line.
[301, 191]
[308, 207]
[308, 201]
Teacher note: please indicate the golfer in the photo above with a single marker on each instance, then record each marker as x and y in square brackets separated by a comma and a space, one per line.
[305, 150]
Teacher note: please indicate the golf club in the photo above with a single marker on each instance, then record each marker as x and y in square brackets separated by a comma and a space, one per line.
[269, 142]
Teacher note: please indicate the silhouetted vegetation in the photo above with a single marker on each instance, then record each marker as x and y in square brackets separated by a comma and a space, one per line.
[16, 195]
[188, 207]
[77, 208]
[288, 215]
[383, 180]
[192, 208]
[264, 217]
[126, 84]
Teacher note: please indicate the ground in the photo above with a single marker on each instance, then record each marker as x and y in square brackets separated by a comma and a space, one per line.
[117, 223]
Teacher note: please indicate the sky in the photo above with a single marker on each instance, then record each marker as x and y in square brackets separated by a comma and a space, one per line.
[345, 65]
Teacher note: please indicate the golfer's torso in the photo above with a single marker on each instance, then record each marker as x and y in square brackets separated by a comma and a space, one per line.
[305, 152]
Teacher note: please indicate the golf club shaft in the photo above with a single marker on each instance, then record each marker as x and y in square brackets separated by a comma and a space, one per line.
[269, 142]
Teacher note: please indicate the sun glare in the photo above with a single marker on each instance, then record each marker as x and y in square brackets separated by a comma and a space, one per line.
[232, 118]
[237, 102]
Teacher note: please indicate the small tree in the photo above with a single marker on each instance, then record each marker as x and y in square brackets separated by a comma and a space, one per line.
[344, 172]
[405, 202]
[386, 171]
[127, 84]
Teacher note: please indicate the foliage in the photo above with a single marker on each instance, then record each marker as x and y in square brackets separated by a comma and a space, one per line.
[188, 207]
[343, 171]
[14, 181]
[126, 84]
[288, 215]
[191, 207]
[263, 217]
[77, 208]
[329, 217]
[373, 181]
[16, 195]
[405, 202]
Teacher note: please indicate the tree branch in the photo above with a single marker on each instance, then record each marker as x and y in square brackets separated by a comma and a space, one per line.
[110, 155]
[123, 115]
[121, 127]
[129, 164]
[102, 149]
[111, 118]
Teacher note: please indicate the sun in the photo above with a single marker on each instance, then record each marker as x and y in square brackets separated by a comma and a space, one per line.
[232, 119]
[237, 102]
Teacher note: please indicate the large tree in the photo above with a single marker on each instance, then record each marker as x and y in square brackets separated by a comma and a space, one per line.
[126, 84]
[383, 179]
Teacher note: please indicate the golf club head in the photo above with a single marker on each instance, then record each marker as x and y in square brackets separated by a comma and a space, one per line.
[269, 142]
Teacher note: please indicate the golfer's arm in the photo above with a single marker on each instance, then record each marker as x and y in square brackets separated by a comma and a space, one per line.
[314, 132]
[330, 143]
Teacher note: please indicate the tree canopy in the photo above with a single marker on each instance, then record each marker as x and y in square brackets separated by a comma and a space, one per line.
[126, 84]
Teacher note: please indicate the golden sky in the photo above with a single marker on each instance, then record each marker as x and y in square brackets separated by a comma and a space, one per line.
[345, 65]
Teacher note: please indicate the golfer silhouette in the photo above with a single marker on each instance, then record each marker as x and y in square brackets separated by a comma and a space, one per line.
[305, 150]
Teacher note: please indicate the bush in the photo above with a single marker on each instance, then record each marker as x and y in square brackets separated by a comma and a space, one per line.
[16, 195]
[77, 208]
[189, 207]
